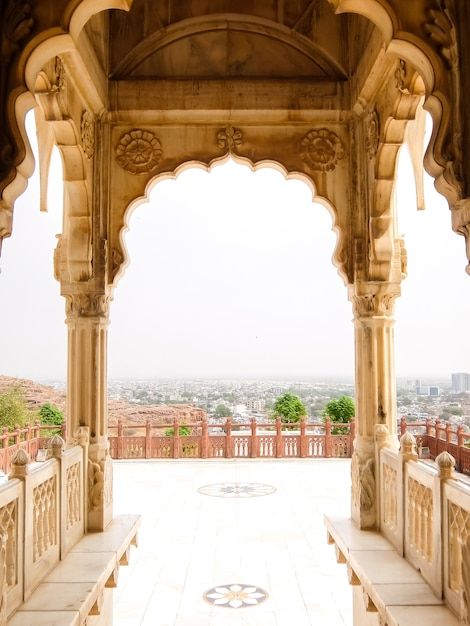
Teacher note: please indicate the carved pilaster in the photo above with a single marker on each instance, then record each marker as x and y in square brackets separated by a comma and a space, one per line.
[373, 305]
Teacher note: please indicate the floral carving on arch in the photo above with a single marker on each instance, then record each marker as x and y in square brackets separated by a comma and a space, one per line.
[321, 149]
[139, 151]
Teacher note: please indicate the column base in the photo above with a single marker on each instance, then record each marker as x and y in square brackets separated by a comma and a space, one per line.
[100, 487]
[363, 494]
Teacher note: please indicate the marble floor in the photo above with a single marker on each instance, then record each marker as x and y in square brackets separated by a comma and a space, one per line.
[217, 550]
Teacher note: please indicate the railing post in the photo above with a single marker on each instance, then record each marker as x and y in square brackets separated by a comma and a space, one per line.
[460, 445]
[328, 440]
[16, 435]
[448, 433]
[148, 440]
[29, 430]
[204, 439]
[428, 427]
[279, 447]
[228, 438]
[120, 441]
[176, 439]
[303, 439]
[407, 452]
[254, 439]
[403, 425]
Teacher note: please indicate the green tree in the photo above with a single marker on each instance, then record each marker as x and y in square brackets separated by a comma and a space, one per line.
[340, 411]
[289, 408]
[183, 430]
[222, 411]
[14, 409]
[50, 414]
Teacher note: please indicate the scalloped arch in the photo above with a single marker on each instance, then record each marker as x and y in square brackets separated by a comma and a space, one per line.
[207, 167]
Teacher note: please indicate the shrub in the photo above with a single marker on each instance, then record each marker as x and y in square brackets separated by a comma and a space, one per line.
[184, 431]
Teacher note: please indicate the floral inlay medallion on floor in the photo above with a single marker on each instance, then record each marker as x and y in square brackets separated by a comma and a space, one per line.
[236, 596]
[237, 490]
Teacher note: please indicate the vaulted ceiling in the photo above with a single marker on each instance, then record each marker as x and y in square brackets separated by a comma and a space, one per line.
[202, 39]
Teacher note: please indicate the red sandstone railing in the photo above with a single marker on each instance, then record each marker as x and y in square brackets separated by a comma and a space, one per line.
[253, 440]
[434, 437]
[30, 438]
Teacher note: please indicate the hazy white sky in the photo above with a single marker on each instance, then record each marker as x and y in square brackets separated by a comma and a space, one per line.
[231, 275]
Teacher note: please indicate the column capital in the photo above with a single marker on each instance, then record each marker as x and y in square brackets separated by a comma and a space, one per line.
[87, 305]
[373, 299]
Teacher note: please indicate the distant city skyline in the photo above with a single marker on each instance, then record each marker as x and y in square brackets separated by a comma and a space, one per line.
[231, 277]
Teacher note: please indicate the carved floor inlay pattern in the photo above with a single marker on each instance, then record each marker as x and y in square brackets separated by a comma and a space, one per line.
[236, 596]
[237, 490]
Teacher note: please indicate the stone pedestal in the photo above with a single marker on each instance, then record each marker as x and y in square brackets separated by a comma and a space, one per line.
[375, 389]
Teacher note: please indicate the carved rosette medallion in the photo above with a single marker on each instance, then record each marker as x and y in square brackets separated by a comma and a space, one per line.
[229, 138]
[321, 149]
[87, 133]
[139, 151]
[87, 305]
[372, 133]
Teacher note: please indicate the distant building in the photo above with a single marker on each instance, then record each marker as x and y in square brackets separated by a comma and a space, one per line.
[255, 405]
[460, 382]
[434, 391]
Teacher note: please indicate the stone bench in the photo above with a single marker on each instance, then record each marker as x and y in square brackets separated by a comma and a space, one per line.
[75, 593]
[387, 590]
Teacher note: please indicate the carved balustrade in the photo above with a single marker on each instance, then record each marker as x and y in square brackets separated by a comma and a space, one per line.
[425, 514]
[41, 519]
[435, 436]
[249, 440]
[30, 438]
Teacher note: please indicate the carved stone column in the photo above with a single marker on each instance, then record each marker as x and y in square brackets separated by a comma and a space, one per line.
[87, 321]
[373, 304]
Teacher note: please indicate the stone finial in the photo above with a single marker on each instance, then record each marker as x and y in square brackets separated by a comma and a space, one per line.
[408, 445]
[57, 445]
[19, 464]
[446, 464]
[21, 457]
